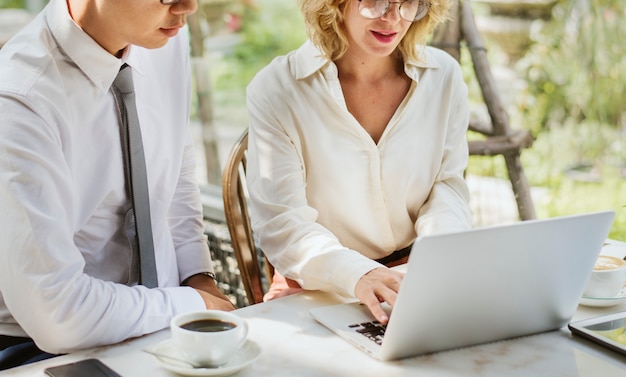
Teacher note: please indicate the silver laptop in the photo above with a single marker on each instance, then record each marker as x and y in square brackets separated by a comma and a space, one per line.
[479, 286]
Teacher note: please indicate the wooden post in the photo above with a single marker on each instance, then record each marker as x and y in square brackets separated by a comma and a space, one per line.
[448, 36]
[501, 139]
[499, 116]
[205, 101]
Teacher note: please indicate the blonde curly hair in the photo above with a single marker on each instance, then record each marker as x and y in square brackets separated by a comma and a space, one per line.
[324, 20]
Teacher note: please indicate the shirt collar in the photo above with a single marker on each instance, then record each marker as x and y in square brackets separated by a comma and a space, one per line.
[427, 61]
[309, 59]
[94, 61]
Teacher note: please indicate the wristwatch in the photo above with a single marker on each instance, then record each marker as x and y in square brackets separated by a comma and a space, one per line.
[209, 274]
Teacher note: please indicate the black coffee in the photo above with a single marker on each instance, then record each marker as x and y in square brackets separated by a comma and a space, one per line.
[208, 325]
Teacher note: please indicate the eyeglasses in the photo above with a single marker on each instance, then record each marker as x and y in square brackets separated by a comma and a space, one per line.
[410, 10]
[169, 2]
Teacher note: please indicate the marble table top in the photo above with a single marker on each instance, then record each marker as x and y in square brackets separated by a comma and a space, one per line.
[292, 343]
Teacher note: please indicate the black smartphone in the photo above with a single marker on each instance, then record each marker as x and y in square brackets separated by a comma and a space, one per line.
[83, 368]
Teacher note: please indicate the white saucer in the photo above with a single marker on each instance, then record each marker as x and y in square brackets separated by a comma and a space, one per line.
[604, 302]
[242, 358]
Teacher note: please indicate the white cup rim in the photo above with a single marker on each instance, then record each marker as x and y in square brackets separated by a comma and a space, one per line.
[622, 264]
[187, 317]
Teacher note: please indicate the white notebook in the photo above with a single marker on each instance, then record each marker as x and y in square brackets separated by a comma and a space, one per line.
[481, 285]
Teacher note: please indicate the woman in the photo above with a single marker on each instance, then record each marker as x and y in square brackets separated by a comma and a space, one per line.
[357, 146]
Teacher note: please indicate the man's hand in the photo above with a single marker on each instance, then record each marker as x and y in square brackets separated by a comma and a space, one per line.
[379, 285]
[212, 296]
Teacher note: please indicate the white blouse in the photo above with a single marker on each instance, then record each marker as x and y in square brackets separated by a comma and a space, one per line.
[325, 199]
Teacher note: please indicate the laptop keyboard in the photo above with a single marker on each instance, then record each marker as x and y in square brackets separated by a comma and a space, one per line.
[374, 330]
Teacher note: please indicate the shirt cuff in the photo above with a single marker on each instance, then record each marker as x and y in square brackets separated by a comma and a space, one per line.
[185, 299]
[357, 271]
[193, 260]
[338, 271]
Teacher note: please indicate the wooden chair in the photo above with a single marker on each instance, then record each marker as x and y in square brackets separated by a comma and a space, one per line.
[250, 259]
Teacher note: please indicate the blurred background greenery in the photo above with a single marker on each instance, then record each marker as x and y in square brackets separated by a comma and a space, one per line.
[12, 4]
[572, 97]
[33, 5]
[573, 102]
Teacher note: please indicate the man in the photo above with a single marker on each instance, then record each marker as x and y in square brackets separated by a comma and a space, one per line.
[68, 277]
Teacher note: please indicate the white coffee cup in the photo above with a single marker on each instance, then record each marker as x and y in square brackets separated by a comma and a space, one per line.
[210, 337]
[607, 278]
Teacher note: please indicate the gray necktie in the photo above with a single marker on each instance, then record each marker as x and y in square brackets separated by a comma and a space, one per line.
[136, 177]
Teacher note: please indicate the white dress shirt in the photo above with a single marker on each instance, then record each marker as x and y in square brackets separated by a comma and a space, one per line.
[65, 260]
[325, 198]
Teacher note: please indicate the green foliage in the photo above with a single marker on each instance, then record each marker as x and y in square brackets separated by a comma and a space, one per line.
[573, 103]
[273, 29]
[12, 4]
[577, 68]
[572, 197]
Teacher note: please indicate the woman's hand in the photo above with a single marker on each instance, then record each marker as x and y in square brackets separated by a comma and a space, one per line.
[379, 285]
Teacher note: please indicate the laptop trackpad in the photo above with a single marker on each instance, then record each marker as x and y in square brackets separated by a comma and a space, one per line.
[347, 321]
